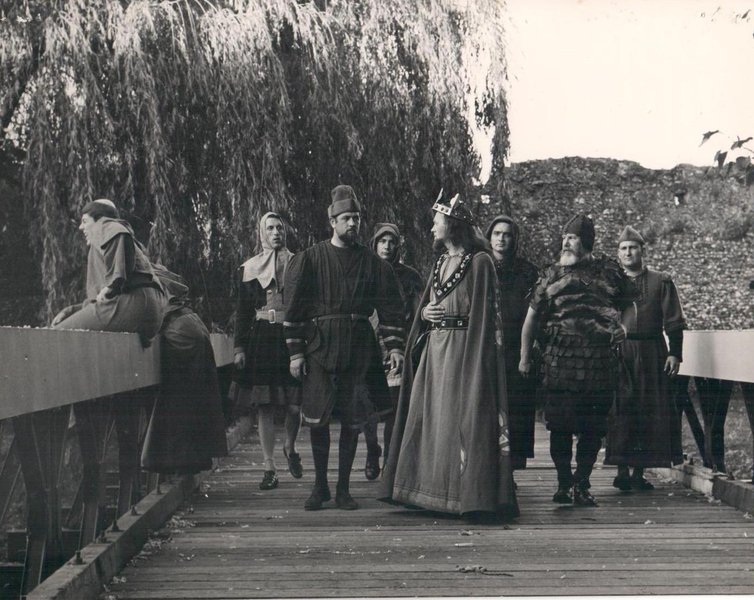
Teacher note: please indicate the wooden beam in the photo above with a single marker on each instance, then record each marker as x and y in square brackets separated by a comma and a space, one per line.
[47, 368]
[719, 354]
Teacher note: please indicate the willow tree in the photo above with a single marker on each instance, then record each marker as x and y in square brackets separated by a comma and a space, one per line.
[196, 117]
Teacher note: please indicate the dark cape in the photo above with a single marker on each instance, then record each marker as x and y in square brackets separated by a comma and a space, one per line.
[187, 427]
[486, 481]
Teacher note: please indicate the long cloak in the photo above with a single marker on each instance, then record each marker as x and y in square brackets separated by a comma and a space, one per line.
[479, 478]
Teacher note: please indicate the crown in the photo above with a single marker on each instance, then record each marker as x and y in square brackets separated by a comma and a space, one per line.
[455, 209]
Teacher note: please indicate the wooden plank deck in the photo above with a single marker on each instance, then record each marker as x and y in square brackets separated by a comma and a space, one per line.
[234, 541]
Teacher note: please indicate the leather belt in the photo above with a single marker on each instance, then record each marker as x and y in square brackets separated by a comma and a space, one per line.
[643, 336]
[271, 315]
[350, 316]
[451, 322]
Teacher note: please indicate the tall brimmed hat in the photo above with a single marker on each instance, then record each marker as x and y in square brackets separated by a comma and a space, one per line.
[582, 226]
[455, 208]
[343, 200]
[629, 234]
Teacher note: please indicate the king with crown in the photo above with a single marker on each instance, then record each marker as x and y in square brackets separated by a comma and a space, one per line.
[450, 445]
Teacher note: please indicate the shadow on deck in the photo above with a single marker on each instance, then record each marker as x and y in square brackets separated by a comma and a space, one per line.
[231, 540]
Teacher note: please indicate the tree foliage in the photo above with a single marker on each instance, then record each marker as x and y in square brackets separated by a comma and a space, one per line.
[196, 117]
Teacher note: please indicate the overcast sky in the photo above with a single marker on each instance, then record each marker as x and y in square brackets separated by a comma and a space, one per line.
[630, 79]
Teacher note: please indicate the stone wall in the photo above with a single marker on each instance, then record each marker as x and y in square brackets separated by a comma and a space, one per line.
[699, 222]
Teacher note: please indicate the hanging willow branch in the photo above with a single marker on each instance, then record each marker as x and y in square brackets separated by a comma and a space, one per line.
[196, 117]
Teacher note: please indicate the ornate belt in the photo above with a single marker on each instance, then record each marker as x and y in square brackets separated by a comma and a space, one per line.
[451, 322]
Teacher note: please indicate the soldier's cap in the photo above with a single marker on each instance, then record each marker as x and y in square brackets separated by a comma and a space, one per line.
[629, 234]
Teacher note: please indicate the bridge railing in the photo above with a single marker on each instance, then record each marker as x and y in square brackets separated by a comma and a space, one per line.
[106, 384]
[107, 381]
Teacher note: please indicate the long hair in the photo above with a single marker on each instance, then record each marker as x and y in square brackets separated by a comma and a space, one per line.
[462, 234]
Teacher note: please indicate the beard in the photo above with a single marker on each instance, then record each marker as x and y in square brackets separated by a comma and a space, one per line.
[350, 237]
[568, 258]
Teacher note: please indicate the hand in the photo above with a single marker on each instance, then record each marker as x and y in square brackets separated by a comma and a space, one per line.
[64, 314]
[433, 312]
[672, 364]
[524, 367]
[298, 368]
[103, 294]
[396, 362]
[239, 360]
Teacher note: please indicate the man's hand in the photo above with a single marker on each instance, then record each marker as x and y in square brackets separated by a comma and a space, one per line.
[433, 312]
[524, 367]
[396, 362]
[298, 368]
[239, 360]
[672, 364]
[102, 296]
[64, 314]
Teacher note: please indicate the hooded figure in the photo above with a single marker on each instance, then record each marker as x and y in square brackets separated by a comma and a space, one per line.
[187, 427]
[516, 280]
[261, 358]
[410, 286]
[121, 291]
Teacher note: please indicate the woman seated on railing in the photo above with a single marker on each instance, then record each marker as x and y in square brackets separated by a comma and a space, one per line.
[121, 290]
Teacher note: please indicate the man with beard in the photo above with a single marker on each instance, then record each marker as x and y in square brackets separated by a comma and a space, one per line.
[386, 243]
[645, 428]
[516, 278]
[332, 289]
[575, 313]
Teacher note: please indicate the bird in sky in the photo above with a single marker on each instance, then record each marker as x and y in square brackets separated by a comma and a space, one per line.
[708, 135]
[739, 142]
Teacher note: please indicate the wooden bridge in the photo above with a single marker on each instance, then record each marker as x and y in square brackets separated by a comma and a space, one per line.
[218, 536]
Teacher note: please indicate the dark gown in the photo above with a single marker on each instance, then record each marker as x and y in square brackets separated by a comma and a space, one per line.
[644, 426]
[451, 428]
[266, 377]
[187, 428]
[516, 279]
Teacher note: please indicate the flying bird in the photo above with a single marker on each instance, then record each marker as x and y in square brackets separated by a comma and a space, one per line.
[739, 142]
[708, 135]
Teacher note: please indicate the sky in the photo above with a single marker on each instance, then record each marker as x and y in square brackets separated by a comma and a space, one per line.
[639, 80]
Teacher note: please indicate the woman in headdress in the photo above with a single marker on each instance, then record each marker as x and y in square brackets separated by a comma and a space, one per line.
[261, 356]
[451, 450]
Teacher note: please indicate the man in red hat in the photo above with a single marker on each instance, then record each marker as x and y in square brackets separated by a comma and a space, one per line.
[332, 289]
[575, 313]
[645, 427]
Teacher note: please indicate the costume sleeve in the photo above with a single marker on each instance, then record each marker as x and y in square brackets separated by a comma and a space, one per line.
[538, 299]
[389, 305]
[298, 297]
[531, 277]
[245, 312]
[675, 343]
[672, 312]
[119, 259]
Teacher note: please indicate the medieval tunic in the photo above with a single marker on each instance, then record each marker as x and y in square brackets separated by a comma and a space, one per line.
[580, 308]
[187, 428]
[260, 312]
[452, 424]
[516, 280]
[136, 301]
[330, 293]
[645, 427]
